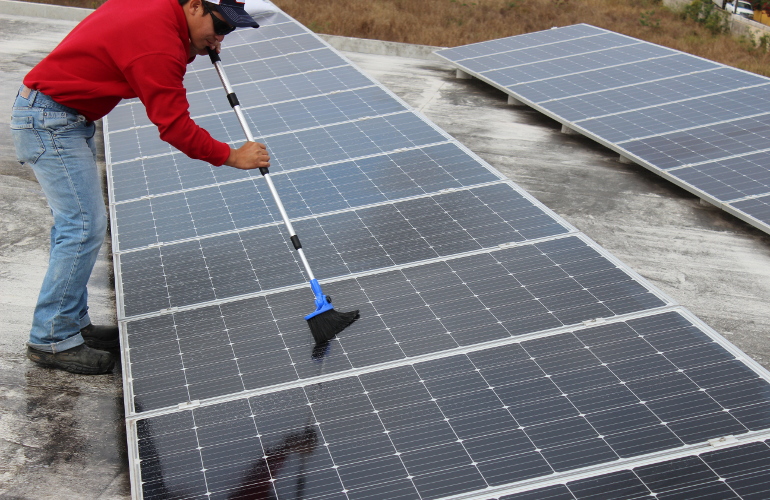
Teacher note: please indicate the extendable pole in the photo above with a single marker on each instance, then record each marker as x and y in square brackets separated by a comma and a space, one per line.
[233, 99]
[324, 323]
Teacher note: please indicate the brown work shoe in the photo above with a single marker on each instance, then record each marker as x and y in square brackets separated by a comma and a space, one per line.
[81, 359]
[101, 337]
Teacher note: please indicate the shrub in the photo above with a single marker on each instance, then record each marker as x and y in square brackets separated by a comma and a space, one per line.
[705, 12]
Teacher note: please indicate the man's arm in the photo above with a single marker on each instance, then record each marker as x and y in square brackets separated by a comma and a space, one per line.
[158, 81]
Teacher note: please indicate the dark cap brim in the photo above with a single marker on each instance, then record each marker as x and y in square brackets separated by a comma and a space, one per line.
[236, 16]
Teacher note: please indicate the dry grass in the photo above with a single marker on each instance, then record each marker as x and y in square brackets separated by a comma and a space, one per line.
[86, 4]
[451, 23]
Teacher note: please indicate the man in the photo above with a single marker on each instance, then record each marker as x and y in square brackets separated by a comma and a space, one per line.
[123, 50]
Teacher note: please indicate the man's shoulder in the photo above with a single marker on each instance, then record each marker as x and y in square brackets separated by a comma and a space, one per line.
[142, 21]
[145, 8]
[129, 30]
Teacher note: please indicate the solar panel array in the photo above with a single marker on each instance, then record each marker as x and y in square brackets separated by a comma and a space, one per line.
[499, 349]
[700, 124]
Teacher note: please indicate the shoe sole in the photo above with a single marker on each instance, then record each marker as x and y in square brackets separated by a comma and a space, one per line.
[70, 367]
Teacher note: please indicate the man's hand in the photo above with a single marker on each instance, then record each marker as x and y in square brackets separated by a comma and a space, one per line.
[249, 156]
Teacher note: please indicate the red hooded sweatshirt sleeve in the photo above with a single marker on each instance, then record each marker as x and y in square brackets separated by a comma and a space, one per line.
[126, 49]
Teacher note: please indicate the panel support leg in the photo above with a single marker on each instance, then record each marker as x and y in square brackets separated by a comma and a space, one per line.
[462, 75]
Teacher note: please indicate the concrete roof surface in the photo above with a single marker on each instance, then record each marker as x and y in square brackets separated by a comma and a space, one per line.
[62, 435]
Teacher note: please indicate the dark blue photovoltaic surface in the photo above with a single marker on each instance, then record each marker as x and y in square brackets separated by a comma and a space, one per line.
[742, 472]
[652, 93]
[229, 265]
[758, 208]
[341, 186]
[263, 341]
[487, 418]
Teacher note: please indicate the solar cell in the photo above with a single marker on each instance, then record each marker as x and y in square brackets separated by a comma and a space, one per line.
[522, 42]
[553, 51]
[605, 78]
[619, 58]
[738, 137]
[304, 147]
[685, 114]
[694, 121]
[240, 205]
[730, 178]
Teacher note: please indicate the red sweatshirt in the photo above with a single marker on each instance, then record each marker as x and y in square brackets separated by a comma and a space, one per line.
[127, 49]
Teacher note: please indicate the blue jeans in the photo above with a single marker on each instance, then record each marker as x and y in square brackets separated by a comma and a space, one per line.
[58, 144]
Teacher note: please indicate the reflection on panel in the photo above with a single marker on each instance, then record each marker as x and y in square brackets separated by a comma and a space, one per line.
[353, 241]
[260, 342]
[487, 418]
[341, 186]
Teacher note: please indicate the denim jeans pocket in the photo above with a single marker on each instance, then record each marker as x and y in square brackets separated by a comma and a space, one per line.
[60, 122]
[29, 145]
[73, 135]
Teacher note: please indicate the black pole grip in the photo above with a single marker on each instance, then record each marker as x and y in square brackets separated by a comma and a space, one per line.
[213, 55]
[264, 170]
[295, 242]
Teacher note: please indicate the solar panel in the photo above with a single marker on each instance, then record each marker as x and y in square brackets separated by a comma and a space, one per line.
[499, 349]
[416, 310]
[340, 186]
[696, 122]
[480, 421]
[358, 240]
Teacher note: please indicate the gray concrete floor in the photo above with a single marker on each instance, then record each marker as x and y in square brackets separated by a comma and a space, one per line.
[62, 435]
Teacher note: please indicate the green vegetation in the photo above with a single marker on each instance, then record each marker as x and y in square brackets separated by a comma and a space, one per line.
[649, 20]
[706, 13]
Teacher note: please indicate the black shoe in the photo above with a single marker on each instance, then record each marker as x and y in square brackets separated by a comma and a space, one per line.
[101, 337]
[80, 359]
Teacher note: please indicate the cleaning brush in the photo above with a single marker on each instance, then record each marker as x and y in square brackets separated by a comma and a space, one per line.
[324, 323]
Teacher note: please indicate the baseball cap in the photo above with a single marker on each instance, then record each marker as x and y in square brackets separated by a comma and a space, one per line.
[234, 13]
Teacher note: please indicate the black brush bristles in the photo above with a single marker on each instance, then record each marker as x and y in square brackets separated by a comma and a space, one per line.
[326, 325]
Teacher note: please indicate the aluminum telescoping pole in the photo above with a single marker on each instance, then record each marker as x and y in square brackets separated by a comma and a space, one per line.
[264, 171]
